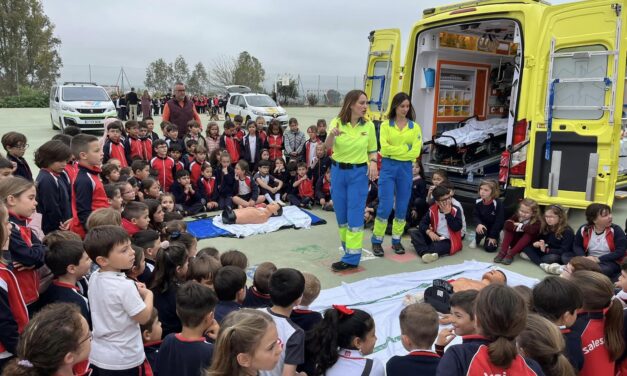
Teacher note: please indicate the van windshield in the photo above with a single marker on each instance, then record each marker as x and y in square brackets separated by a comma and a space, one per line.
[260, 101]
[84, 94]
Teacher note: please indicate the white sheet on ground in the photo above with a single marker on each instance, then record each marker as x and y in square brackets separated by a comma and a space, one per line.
[382, 297]
[473, 131]
[292, 216]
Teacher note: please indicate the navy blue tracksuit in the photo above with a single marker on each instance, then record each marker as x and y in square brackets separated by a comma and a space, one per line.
[53, 200]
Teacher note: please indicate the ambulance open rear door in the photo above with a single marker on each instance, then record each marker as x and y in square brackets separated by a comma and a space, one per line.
[383, 71]
[574, 136]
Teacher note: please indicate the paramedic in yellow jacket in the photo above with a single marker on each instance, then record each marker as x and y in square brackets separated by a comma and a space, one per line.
[354, 161]
[401, 143]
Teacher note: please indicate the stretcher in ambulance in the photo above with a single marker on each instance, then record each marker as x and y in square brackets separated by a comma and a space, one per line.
[521, 91]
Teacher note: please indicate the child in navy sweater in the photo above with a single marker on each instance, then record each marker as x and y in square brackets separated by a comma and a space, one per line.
[151, 337]
[188, 353]
[230, 287]
[558, 300]
[69, 263]
[53, 187]
[555, 240]
[418, 201]
[24, 246]
[501, 315]
[301, 314]
[419, 328]
[258, 295]
[185, 195]
[489, 216]
[225, 179]
[15, 145]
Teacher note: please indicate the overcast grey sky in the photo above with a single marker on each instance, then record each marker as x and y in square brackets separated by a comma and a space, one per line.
[321, 37]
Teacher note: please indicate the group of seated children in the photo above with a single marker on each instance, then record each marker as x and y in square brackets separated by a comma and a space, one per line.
[545, 239]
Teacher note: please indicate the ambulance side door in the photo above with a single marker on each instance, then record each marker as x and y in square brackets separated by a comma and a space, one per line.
[383, 71]
[575, 131]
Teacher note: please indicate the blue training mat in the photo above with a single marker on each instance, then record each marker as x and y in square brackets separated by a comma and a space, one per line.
[205, 229]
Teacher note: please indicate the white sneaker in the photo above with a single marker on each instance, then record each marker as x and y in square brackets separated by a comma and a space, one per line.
[428, 258]
[524, 256]
[280, 202]
[554, 268]
[472, 244]
[545, 267]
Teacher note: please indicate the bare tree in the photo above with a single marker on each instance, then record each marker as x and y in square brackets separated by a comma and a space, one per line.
[222, 72]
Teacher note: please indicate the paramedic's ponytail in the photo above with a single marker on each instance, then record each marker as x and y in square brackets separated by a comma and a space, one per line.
[598, 295]
[501, 314]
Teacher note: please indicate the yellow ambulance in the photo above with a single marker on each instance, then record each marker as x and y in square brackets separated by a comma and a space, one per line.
[520, 90]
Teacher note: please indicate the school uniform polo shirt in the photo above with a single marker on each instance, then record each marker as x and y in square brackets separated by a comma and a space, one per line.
[400, 144]
[179, 356]
[354, 142]
[423, 360]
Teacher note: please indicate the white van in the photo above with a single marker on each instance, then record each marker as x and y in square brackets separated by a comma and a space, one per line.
[82, 104]
[251, 105]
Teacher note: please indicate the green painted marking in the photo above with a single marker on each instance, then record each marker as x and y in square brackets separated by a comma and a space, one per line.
[312, 252]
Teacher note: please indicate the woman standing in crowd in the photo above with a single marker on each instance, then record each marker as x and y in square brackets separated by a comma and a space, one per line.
[354, 144]
[146, 102]
[401, 143]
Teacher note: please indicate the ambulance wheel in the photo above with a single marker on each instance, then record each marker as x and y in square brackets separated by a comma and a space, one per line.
[438, 155]
[466, 158]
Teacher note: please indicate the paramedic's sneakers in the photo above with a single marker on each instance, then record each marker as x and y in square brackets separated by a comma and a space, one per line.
[428, 258]
[398, 249]
[341, 265]
[472, 244]
[377, 250]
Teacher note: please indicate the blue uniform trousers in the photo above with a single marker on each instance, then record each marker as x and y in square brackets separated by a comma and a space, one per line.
[395, 181]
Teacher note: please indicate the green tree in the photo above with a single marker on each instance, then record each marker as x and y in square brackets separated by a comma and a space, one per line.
[248, 71]
[289, 91]
[159, 76]
[180, 70]
[198, 80]
[333, 97]
[28, 47]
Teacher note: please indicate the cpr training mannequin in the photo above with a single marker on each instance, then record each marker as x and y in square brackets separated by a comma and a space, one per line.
[251, 215]
[462, 284]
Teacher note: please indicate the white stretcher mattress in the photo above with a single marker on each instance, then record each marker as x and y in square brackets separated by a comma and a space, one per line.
[474, 131]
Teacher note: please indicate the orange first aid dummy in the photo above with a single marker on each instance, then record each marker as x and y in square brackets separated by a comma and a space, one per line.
[251, 215]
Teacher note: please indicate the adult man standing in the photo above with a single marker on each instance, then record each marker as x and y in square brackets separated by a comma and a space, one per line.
[180, 109]
[132, 100]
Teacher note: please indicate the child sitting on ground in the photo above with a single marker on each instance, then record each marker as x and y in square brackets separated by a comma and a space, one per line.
[69, 263]
[258, 295]
[225, 180]
[185, 195]
[230, 286]
[135, 217]
[118, 305]
[323, 191]
[419, 327]
[269, 186]
[439, 232]
[245, 189]
[188, 353]
[489, 216]
[521, 230]
[559, 299]
[301, 314]
[163, 164]
[196, 166]
[235, 258]
[555, 240]
[303, 193]
[207, 187]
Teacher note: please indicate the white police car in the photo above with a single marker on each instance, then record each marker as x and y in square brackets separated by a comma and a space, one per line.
[82, 104]
[252, 105]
